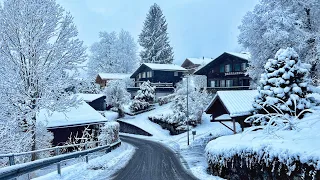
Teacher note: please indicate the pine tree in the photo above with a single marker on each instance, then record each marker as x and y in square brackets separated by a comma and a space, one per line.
[146, 92]
[154, 38]
[284, 85]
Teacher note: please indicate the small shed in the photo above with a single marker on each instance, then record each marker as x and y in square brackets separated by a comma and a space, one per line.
[233, 106]
[96, 101]
[72, 121]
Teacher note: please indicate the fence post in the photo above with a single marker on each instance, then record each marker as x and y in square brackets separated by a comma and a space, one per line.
[59, 168]
[11, 160]
[86, 147]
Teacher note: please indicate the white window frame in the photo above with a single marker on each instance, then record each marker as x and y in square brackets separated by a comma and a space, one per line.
[139, 75]
[243, 66]
[176, 73]
[144, 75]
[212, 83]
[229, 83]
[227, 68]
[222, 83]
[150, 74]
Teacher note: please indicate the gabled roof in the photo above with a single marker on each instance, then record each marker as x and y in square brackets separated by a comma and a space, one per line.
[110, 76]
[244, 56]
[89, 97]
[75, 116]
[237, 103]
[200, 61]
[160, 67]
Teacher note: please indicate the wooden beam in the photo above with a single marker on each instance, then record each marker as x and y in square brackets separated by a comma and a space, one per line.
[225, 125]
[234, 126]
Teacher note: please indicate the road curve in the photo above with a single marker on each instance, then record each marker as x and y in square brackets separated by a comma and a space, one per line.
[152, 161]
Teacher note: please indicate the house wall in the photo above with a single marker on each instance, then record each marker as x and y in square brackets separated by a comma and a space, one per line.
[101, 82]
[217, 109]
[98, 104]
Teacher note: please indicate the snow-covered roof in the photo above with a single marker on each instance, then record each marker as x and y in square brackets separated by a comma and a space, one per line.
[89, 97]
[107, 76]
[237, 103]
[223, 117]
[244, 55]
[200, 60]
[165, 67]
[82, 114]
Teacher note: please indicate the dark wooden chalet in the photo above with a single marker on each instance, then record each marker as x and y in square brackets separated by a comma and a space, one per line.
[103, 78]
[226, 72]
[232, 106]
[192, 64]
[160, 75]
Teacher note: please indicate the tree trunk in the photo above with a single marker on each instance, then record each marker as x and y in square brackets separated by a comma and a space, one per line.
[33, 131]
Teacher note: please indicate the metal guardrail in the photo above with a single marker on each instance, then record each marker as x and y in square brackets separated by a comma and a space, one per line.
[20, 169]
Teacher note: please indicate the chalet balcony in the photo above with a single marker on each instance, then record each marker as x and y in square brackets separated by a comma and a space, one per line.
[215, 89]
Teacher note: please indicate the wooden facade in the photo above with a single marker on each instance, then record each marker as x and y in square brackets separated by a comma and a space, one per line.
[226, 72]
[158, 77]
[98, 104]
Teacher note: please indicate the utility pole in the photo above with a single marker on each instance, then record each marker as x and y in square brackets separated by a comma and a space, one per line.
[188, 108]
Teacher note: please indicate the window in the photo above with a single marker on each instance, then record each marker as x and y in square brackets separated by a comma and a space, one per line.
[176, 74]
[222, 68]
[150, 74]
[222, 83]
[144, 75]
[228, 68]
[237, 67]
[244, 66]
[212, 83]
[139, 75]
[229, 83]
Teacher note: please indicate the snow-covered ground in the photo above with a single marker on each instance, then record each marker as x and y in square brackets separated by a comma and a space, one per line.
[192, 156]
[101, 167]
[302, 144]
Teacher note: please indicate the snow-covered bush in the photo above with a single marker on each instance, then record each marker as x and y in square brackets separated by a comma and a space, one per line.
[283, 91]
[146, 93]
[138, 105]
[165, 99]
[109, 133]
[87, 138]
[117, 95]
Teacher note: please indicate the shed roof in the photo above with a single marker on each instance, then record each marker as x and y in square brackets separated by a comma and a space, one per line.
[89, 97]
[165, 67]
[107, 76]
[237, 103]
[75, 116]
[200, 60]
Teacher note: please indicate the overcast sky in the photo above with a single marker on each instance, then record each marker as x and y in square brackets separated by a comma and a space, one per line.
[196, 28]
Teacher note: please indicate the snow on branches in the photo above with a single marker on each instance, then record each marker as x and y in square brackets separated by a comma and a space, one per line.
[146, 93]
[283, 91]
[117, 95]
[114, 53]
[38, 50]
[154, 38]
[274, 24]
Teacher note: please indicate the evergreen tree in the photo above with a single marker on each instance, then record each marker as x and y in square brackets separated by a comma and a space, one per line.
[146, 93]
[154, 38]
[284, 86]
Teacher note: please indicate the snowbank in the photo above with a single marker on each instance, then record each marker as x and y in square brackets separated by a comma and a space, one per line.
[287, 147]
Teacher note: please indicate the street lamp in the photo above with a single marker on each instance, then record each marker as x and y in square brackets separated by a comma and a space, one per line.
[188, 108]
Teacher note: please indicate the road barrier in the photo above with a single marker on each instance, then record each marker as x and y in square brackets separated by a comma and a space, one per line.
[14, 171]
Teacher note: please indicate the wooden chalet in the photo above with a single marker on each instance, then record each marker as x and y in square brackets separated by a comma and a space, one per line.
[192, 64]
[72, 122]
[232, 106]
[226, 72]
[96, 101]
[103, 78]
[160, 75]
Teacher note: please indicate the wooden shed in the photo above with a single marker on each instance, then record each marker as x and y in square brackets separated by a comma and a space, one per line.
[232, 106]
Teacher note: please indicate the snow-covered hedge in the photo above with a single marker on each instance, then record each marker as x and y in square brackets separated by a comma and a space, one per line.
[285, 154]
[138, 105]
[109, 133]
[165, 99]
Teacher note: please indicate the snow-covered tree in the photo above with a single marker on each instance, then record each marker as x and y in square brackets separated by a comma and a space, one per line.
[109, 133]
[197, 101]
[117, 95]
[154, 38]
[284, 85]
[38, 49]
[113, 54]
[146, 92]
[275, 24]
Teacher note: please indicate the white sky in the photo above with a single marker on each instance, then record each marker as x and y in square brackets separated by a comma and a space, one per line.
[196, 28]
